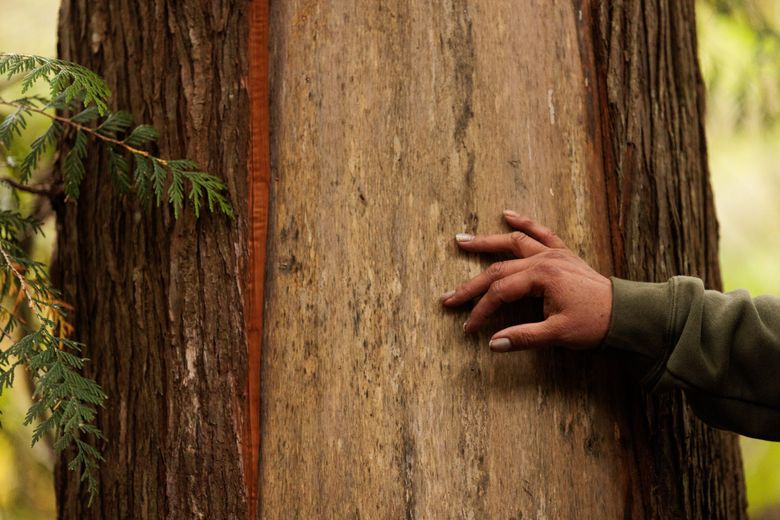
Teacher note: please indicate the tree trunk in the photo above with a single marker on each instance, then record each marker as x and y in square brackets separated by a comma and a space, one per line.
[394, 125]
[158, 302]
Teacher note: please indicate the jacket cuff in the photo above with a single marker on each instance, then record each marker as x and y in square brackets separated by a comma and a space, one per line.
[641, 324]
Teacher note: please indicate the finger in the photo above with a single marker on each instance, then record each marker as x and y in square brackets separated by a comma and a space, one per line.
[526, 336]
[504, 290]
[517, 243]
[541, 233]
[481, 283]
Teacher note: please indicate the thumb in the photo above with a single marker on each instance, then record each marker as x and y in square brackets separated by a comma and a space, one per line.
[526, 336]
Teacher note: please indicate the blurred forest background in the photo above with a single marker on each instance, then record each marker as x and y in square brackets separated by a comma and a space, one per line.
[739, 49]
[740, 58]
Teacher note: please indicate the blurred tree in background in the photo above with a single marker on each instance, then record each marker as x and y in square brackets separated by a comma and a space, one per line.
[740, 57]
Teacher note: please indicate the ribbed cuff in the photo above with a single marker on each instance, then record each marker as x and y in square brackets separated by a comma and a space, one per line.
[641, 323]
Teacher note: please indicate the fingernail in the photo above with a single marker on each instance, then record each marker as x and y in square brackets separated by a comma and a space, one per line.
[500, 344]
[464, 237]
[446, 296]
[510, 213]
[465, 324]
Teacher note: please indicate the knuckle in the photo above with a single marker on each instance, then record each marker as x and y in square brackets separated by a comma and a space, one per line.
[521, 339]
[498, 289]
[496, 270]
[517, 238]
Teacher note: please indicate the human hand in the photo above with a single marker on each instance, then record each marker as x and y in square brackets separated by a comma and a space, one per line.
[577, 300]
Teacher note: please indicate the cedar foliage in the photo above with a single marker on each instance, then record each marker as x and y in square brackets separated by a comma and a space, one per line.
[64, 401]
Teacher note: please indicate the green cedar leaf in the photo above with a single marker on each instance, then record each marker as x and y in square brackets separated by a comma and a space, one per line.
[85, 116]
[176, 192]
[12, 125]
[183, 165]
[159, 175]
[70, 79]
[141, 136]
[39, 145]
[119, 169]
[73, 172]
[204, 184]
[115, 123]
[143, 180]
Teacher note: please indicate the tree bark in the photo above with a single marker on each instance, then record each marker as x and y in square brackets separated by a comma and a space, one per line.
[158, 302]
[394, 125]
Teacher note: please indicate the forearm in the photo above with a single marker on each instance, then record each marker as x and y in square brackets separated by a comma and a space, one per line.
[723, 349]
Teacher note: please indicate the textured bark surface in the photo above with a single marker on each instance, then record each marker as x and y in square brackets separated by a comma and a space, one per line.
[663, 223]
[394, 125]
[158, 302]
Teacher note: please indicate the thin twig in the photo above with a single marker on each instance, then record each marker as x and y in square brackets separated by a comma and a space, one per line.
[34, 305]
[78, 126]
[42, 207]
[46, 190]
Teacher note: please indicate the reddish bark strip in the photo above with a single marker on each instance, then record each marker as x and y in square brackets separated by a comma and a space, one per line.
[258, 175]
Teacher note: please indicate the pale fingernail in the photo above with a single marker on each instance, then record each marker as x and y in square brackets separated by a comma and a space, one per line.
[510, 213]
[500, 344]
[464, 237]
[446, 296]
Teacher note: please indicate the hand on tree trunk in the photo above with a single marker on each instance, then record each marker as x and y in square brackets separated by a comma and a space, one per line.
[577, 300]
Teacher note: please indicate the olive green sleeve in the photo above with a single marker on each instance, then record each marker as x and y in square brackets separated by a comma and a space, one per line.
[722, 349]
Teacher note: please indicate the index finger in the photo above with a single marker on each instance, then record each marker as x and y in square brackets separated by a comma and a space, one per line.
[517, 243]
[528, 225]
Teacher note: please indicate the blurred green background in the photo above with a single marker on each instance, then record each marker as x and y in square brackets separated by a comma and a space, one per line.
[26, 485]
[740, 57]
[739, 48]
